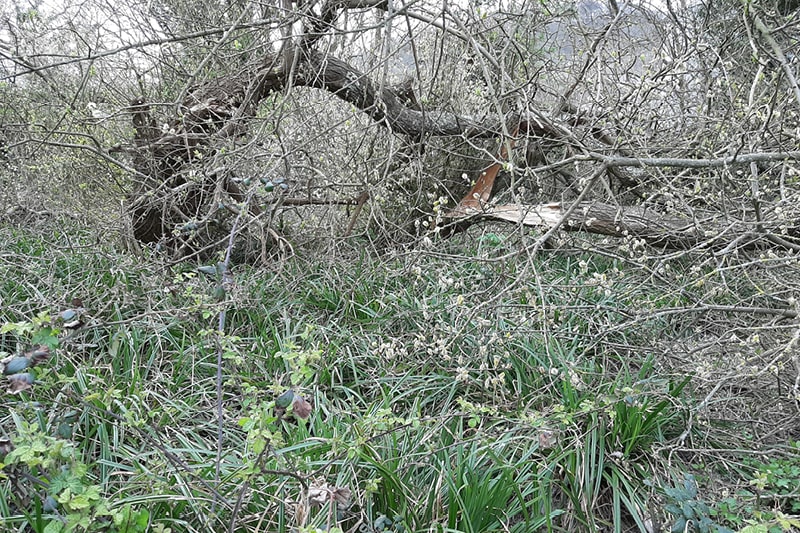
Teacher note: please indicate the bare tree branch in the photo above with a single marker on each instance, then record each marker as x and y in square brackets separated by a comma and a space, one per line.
[739, 159]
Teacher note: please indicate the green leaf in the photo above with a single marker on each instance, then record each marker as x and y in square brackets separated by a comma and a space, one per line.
[46, 336]
[788, 523]
[259, 445]
[17, 327]
[219, 293]
[690, 485]
[678, 526]
[209, 270]
[53, 527]
[15, 365]
[285, 399]
[754, 529]
[79, 502]
[671, 508]
[142, 518]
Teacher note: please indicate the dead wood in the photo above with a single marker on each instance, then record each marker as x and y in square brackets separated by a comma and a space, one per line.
[695, 230]
[221, 108]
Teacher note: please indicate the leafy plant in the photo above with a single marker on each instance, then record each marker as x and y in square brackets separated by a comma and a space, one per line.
[779, 480]
[70, 502]
[688, 510]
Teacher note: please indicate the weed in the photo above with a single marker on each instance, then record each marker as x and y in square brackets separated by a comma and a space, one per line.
[777, 481]
[688, 510]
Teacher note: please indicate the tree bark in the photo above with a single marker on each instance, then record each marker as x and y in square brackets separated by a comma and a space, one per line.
[702, 230]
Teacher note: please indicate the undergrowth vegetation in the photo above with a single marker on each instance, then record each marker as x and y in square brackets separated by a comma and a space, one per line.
[466, 388]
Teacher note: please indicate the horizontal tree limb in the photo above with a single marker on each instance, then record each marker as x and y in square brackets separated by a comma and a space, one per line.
[222, 107]
[323, 201]
[31, 69]
[702, 231]
[747, 309]
[740, 159]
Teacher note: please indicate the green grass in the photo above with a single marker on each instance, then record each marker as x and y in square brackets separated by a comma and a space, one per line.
[449, 394]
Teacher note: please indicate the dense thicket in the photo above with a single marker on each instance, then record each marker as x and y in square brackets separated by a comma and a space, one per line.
[592, 209]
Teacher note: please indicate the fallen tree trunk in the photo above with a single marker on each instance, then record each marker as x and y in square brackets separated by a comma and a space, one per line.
[222, 108]
[702, 230]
